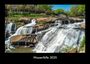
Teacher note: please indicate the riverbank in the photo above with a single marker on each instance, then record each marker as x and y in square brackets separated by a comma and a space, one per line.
[22, 49]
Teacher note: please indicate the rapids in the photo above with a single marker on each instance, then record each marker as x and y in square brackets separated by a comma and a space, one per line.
[57, 38]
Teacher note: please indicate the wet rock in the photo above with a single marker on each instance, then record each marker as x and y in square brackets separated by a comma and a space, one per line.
[82, 25]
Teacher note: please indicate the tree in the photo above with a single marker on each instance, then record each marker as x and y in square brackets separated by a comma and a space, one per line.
[30, 8]
[77, 10]
[44, 8]
[73, 11]
[81, 9]
[58, 11]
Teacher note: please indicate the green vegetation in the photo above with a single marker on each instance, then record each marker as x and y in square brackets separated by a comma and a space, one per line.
[58, 11]
[21, 9]
[78, 10]
[42, 10]
[82, 45]
[73, 50]
[15, 12]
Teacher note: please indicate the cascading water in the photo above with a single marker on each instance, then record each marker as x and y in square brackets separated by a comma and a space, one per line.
[23, 30]
[8, 27]
[55, 40]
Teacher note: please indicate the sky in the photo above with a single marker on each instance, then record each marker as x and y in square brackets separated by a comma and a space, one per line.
[65, 7]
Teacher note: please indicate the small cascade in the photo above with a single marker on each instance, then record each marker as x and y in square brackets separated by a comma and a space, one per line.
[56, 39]
[23, 30]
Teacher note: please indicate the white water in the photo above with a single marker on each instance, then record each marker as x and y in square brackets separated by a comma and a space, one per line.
[56, 39]
[26, 29]
[23, 30]
[8, 27]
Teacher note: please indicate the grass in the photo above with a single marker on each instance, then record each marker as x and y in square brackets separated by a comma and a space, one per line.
[82, 45]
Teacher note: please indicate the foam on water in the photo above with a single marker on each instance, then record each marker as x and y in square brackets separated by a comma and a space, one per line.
[23, 30]
[58, 38]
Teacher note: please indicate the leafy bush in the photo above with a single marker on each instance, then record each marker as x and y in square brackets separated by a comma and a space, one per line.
[82, 46]
[82, 43]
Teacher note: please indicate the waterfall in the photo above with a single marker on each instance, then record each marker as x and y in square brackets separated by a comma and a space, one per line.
[54, 39]
[57, 39]
[10, 28]
[23, 30]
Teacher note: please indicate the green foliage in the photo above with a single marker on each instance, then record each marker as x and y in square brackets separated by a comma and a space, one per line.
[29, 8]
[81, 9]
[82, 46]
[78, 10]
[58, 11]
[82, 42]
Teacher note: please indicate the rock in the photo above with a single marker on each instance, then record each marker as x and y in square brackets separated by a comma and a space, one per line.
[17, 38]
[75, 18]
[82, 25]
[73, 50]
[82, 51]
[48, 19]
[23, 18]
[62, 16]
[42, 19]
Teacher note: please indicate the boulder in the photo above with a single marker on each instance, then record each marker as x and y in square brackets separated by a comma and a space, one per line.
[42, 19]
[49, 19]
[82, 25]
[17, 38]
